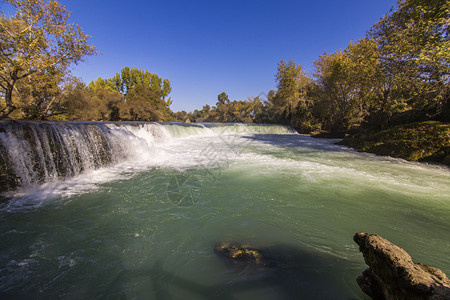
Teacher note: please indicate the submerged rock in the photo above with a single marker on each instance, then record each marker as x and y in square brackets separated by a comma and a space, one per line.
[282, 271]
[393, 275]
[239, 252]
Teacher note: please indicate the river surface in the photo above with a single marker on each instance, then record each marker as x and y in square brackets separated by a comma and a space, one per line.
[145, 228]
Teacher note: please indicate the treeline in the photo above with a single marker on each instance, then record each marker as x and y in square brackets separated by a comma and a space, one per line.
[131, 95]
[226, 111]
[397, 74]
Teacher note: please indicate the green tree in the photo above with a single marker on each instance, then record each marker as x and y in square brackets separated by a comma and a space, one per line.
[181, 116]
[77, 103]
[107, 104]
[143, 103]
[222, 98]
[288, 83]
[227, 111]
[165, 91]
[222, 109]
[143, 96]
[103, 84]
[128, 79]
[35, 41]
[127, 82]
[206, 114]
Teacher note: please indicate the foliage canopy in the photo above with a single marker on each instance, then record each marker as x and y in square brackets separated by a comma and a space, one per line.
[38, 43]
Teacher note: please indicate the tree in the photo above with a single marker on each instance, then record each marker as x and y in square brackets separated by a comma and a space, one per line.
[290, 103]
[242, 111]
[107, 104]
[128, 79]
[38, 95]
[290, 81]
[166, 89]
[77, 103]
[414, 45]
[258, 110]
[143, 103]
[35, 41]
[181, 116]
[132, 94]
[103, 84]
[222, 98]
[335, 74]
[222, 109]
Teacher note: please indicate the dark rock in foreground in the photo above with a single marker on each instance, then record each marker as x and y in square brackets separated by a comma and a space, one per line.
[393, 275]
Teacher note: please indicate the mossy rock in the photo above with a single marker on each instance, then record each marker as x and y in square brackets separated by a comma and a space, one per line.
[239, 252]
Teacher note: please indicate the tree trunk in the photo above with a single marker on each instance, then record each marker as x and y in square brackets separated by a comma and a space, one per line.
[9, 108]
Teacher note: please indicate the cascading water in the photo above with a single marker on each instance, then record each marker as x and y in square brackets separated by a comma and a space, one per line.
[34, 152]
[37, 152]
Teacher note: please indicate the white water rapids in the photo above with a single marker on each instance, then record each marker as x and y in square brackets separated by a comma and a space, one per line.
[133, 210]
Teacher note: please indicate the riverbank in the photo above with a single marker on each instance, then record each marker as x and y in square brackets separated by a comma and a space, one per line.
[422, 141]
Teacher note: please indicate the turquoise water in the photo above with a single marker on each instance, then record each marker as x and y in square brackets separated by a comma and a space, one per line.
[146, 228]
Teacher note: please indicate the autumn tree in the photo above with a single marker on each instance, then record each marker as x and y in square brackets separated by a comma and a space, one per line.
[38, 95]
[414, 45]
[36, 42]
[341, 99]
[242, 111]
[290, 103]
[289, 92]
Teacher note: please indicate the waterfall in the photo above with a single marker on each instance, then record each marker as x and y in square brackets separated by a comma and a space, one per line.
[183, 129]
[37, 152]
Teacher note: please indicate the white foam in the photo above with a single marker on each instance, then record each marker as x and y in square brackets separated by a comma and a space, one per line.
[154, 146]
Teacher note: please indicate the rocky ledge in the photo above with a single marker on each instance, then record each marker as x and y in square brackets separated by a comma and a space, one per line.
[393, 275]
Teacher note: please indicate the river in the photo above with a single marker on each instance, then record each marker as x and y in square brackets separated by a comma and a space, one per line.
[144, 223]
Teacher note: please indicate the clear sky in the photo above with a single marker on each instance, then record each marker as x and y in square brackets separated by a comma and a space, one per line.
[207, 47]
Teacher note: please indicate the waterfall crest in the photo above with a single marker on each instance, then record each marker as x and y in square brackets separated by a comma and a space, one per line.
[37, 152]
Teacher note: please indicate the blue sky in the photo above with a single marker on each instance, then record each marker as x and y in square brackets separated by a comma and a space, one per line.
[207, 47]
